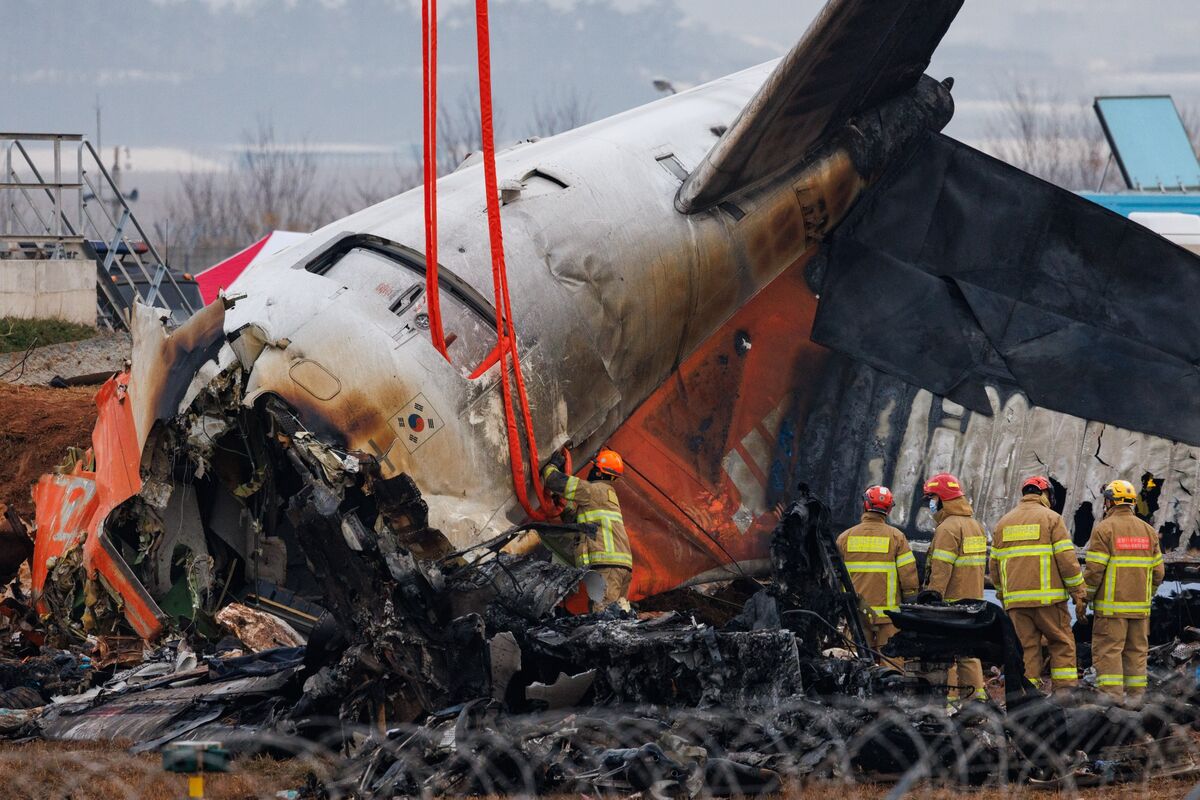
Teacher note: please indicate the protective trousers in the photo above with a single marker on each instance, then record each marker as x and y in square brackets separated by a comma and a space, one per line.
[878, 634]
[616, 586]
[967, 675]
[1053, 622]
[1119, 655]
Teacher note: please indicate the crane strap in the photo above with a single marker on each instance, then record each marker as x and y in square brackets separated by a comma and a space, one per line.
[505, 352]
[429, 145]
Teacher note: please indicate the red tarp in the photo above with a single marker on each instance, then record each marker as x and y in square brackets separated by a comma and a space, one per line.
[219, 276]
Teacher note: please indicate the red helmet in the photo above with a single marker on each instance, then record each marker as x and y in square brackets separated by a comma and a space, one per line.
[878, 498]
[1040, 481]
[610, 462]
[944, 486]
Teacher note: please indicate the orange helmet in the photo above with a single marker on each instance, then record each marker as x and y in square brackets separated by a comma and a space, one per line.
[878, 498]
[610, 462]
[1040, 481]
[944, 486]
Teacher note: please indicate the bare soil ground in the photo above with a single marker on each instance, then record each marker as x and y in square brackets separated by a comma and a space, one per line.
[37, 425]
[103, 771]
[99, 771]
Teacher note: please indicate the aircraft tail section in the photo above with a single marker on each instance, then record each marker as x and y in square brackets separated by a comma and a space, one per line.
[855, 55]
[972, 272]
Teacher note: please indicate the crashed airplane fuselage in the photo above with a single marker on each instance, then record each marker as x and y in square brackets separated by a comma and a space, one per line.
[664, 276]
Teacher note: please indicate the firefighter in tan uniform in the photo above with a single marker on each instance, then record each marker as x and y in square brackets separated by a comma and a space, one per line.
[1122, 570]
[880, 563]
[957, 561]
[593, 502]
[1034, 570]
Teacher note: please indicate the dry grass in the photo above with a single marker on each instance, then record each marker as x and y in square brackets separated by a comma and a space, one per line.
[1155, 790]
[107, 771]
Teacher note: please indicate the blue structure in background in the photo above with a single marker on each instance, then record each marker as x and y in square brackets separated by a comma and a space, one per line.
[1149, 142]
[1154, 153]
[1157, 203]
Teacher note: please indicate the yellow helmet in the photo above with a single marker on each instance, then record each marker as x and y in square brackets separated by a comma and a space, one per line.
[1120, 492]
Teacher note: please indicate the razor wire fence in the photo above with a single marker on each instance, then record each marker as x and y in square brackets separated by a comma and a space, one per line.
[893, 746]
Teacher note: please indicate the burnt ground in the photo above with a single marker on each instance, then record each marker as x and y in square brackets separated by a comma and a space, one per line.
[102, 771]
[37, 425]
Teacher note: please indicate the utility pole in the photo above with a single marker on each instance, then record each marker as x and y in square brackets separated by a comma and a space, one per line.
[99, 145]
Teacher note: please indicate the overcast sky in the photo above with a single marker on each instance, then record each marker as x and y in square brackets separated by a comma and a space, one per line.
[1076, 48]
[189, 75]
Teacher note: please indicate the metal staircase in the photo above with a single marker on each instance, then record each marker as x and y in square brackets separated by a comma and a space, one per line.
[58, 202]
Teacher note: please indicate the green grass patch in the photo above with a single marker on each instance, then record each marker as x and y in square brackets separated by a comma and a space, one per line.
[18, 335]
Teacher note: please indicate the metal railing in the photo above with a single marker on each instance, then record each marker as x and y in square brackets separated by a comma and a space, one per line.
[67, 216]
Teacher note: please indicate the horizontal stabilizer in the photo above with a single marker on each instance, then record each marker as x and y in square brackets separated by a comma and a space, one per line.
[958, 271]
[855, 55]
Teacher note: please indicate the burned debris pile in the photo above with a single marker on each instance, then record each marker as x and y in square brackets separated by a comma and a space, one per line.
[461, 674]
[217, 570]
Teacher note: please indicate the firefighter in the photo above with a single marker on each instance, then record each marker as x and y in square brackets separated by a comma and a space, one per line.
[1034, 570]
[605, 549]
[957, 561]
[880, 563]
[1122, 570]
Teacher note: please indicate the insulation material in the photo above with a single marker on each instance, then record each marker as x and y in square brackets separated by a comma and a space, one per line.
[258, 630]
[870, 427]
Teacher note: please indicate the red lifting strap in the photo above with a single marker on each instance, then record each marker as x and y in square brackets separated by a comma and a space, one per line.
[429, 137]
[506, 338]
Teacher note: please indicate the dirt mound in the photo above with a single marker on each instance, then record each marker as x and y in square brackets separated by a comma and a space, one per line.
[37, 425]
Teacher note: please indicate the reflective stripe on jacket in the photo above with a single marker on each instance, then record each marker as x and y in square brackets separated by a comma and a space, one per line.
[958, 554]
[1033, 557]
[1123, 566]
[594, 503]
[880, 563]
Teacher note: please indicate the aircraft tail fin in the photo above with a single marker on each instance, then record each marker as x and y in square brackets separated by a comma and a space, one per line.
[855, 55]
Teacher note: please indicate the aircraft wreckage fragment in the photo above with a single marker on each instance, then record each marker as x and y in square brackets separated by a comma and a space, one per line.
[198, 493]
[299, 448]
[489, 687]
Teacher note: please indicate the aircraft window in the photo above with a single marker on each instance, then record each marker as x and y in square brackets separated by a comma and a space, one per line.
[399, 279]
[369, 271]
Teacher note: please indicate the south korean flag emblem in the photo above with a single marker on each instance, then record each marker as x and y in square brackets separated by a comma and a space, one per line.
[416, 423]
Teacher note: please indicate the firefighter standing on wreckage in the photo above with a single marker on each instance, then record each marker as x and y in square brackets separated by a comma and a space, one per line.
[592, 502]
[1034, 570]
[956, 563]
[881, 564]
[1122, 570]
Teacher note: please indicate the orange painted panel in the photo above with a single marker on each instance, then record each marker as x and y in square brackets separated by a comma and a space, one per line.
[72, 506]
[707, 454]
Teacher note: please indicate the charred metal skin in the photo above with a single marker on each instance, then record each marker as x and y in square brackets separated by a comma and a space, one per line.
[600, 326]
[614, 292]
